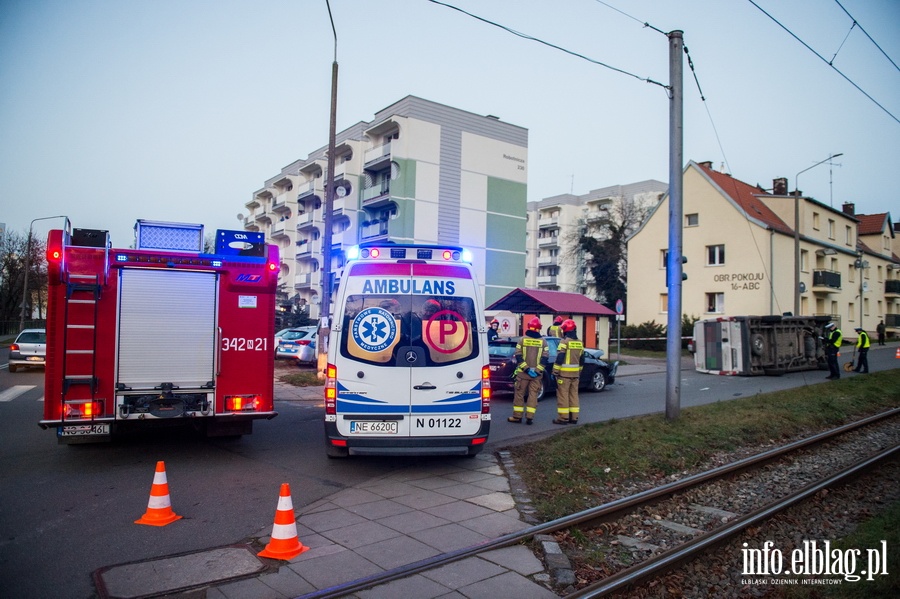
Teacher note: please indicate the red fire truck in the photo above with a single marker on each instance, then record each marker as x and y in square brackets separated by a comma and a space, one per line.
[160, 334]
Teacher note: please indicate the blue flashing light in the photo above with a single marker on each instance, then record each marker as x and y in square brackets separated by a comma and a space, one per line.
[217, 263]
[467, 256]
[121, 258]
[353, 252]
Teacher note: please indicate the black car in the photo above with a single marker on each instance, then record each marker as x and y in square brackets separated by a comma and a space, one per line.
[595, 375]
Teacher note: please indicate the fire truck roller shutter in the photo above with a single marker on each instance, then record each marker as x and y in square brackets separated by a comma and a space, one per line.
[167, 328]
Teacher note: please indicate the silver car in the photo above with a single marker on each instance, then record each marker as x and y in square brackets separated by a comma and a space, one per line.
[297, 344]
[29, 349]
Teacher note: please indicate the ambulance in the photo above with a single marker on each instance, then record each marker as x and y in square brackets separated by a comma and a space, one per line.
[408, 369]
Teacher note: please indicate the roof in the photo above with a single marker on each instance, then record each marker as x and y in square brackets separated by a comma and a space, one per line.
[542, 301]
[874, 224]
[747, 197]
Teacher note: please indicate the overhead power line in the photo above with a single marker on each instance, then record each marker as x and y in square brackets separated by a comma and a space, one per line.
[823, 59]
[554, 46]
[856, 23]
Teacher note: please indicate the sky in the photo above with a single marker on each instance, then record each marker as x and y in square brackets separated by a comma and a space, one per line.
[179, 110]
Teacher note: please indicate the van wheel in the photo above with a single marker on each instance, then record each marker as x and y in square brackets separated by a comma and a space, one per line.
[757, 344]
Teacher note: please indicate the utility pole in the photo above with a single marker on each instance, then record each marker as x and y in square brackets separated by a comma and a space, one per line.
[676, 209]
[327, 278]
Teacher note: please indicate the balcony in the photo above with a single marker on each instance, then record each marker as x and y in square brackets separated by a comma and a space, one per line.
[892, 288]
[826, 281]
[307, 248]
[262, 218]
[303, 280]
[373, 231]
[892, 320]
[596, 216]
[546, 260]
[377, 194]
[547, 242]
[378, 157]
[311, 188]
[548, 222]
[546, 280]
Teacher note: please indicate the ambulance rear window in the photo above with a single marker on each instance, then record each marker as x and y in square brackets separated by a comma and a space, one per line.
[409, 330]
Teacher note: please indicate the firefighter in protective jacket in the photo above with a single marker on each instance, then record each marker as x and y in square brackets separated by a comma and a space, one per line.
[554, 330]
[531, 351]
[567, 370]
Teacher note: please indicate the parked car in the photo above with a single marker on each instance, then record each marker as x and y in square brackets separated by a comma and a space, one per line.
[595, 375]
[297, 344]
[29, 349]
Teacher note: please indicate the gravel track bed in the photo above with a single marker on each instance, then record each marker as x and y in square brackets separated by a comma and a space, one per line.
[830, 515]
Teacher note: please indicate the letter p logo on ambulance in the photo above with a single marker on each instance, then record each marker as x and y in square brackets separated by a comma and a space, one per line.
[447, 332]
[374, 329]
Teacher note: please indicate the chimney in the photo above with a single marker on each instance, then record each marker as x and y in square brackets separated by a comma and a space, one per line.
[779, 186]
[849, 208]
[707, 164]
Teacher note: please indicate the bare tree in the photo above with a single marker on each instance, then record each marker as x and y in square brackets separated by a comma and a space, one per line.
[602, 245]
[13, 246]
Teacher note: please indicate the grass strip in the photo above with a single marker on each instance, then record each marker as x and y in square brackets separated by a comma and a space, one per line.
[571, 471]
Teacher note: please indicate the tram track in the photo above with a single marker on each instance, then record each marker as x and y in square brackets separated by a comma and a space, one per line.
[681, 542]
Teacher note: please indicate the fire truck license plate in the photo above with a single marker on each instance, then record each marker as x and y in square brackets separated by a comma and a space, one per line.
[373, 428]
[84, 429]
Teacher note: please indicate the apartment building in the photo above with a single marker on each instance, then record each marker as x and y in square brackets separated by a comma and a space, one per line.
[740, 246]
[553, 259]
[418, 172]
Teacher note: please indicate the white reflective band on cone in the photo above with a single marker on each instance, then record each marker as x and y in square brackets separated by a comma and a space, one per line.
[160, 478]
[284, 531]
[157, 502]
[285, 505]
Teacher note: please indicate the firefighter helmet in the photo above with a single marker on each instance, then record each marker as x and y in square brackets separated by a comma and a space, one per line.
[495, 321]
[558, 320]
[534, 324]
[567, 325]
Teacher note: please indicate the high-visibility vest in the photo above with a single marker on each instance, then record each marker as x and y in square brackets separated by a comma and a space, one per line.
[863, 341]
[570, 350]
[554, 331]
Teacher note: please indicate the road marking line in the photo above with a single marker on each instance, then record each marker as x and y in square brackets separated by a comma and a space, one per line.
[15, 391]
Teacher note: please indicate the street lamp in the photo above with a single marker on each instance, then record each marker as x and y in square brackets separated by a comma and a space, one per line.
[28, 266]
[797, 232]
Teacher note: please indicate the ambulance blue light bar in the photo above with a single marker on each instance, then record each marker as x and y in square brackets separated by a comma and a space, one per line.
[408, 252]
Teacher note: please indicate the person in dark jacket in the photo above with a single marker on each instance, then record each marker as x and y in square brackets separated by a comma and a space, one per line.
[493, 332]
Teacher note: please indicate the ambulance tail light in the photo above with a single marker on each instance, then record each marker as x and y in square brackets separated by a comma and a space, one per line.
[486, 390]
[82, 410]
[242, 403]
[331, 390]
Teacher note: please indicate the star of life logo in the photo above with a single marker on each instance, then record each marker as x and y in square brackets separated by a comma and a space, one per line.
[374, 329]
[812, 563]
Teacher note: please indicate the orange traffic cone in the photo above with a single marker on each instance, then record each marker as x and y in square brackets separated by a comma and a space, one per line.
[897, 355]
[284, 543]
[159, 508]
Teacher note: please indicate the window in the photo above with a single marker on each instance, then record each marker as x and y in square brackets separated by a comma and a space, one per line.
[715, 255]
[849, 233]
[691, 220]
[804, 260]
[715, 303]
[830, 229]
[663, 302]
[663, 258]
[816, 221]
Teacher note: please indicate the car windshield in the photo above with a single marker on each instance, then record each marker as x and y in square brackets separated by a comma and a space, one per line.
[32, 337]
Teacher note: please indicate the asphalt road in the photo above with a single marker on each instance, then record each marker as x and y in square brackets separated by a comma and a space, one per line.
[67, 511]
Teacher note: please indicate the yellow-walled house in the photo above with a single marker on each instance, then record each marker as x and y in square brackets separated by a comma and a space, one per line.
[740, 247]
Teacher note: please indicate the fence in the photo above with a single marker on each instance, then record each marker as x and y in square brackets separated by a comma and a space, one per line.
[10, 328]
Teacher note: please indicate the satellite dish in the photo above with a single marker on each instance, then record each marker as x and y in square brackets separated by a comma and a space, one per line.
[240, 216]
[802, 287]
[315, 300]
